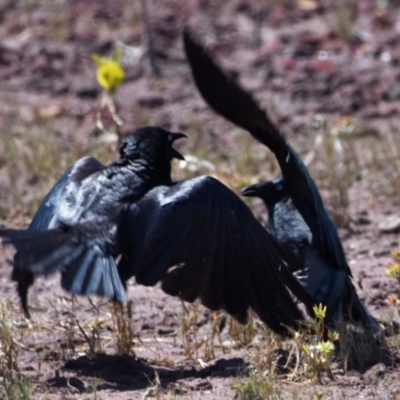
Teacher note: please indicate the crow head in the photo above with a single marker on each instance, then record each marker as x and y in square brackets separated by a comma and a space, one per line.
[271, 192]
[152, 144]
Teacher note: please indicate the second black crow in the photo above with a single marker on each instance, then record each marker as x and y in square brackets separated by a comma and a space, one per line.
[303, 209]
[329, 286]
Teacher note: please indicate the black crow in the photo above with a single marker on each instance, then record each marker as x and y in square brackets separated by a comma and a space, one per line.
[196, 237]
[74, 229]
[328, 285]
[285, 222]
[305, 205]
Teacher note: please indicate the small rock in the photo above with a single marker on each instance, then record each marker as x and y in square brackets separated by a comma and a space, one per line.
[50, 111]
[88, 92]
[380, 251]
[390, 224]
[151, 101]
[165, 332]
[374, 373]
[362, 220]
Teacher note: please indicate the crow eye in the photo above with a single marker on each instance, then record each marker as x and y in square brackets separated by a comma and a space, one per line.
[170, 138]
[278, 187]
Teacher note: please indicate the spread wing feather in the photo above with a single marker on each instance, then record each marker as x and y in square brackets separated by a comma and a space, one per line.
[87, 272]
[219, 253]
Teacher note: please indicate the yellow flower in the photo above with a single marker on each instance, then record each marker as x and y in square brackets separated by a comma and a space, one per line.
[326, 347]
[333, 336]
[319, 311]
[109, 72]
[393, 270]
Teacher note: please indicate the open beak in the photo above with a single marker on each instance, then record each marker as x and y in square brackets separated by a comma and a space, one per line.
[176, 136]
[251, 191]
[257, 190]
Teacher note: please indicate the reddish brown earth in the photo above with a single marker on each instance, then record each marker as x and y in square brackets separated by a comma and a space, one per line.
[300, 59]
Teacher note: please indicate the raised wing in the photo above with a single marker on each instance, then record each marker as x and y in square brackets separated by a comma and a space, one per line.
[202, 242]
[46, 217]
[227, 98]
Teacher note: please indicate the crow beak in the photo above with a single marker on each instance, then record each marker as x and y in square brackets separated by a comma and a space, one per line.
[175, 153]
[252, 190]
[177, 135]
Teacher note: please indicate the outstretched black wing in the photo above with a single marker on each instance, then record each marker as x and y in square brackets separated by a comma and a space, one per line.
[226, 97]
[51, 249]
[83, 254]
[202, 242]
[46, 216]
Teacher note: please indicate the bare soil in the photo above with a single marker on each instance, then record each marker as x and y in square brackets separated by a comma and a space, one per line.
[302, 60]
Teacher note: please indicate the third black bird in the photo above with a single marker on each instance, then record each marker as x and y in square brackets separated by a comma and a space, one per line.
[304, 204]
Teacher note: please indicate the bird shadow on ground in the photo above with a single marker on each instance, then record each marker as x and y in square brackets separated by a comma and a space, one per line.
[127, 373]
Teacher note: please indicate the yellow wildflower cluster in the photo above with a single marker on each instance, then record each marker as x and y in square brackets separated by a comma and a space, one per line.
[319, 311]
[393, 270]
[110, 73]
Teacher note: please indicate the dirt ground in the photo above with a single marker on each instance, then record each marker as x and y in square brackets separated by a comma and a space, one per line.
[315, 65]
